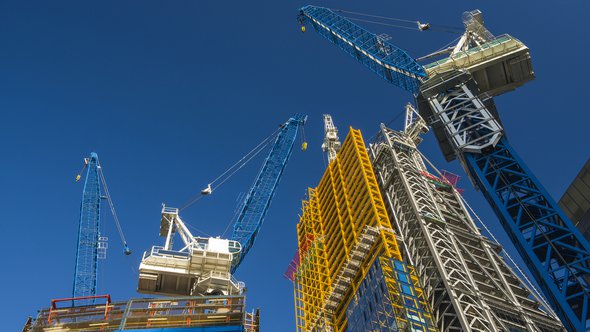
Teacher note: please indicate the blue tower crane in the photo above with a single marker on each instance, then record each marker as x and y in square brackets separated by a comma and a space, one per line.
[255, 204]
[87, 253]
[91, 245]
[206, 265]
[454, 95]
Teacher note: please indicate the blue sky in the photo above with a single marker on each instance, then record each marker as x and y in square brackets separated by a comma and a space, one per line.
[170, 93]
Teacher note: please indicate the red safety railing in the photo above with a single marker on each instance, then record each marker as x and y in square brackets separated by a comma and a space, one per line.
[53, 310]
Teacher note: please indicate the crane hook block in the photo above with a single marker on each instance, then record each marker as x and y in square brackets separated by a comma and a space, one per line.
[207, 191]
[303, 28]
[78, 177]
[304, 146]
[127, 250]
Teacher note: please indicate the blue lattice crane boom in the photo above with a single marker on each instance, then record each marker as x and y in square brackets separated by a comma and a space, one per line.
[256, 203]
[454, 95]
[91, 245]
[85, 281]
[385, 59]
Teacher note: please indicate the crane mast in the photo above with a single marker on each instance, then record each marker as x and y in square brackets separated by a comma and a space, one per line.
[89, 246]
[454, 95]
[331, 143]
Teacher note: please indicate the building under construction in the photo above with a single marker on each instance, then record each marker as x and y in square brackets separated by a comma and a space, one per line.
[464, 281]
[384, 244]
[350, 273]
[468, 284]
[385, 240]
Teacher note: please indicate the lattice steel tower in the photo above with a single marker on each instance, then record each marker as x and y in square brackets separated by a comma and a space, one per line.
[466, 281]
[90, 249]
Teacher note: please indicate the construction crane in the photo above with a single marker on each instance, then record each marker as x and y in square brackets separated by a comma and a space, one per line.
[454, 95]
[206, 265]
[331, 143]
[91, 245]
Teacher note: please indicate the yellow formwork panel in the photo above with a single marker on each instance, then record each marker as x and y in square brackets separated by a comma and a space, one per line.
[346, 200]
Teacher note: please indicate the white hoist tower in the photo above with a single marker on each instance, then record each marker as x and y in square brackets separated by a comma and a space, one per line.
[331, 143]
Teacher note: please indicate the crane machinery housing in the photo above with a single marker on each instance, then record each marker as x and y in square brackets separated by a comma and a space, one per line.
[454, 96]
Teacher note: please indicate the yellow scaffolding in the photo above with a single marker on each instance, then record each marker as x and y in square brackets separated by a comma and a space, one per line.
[346, 207]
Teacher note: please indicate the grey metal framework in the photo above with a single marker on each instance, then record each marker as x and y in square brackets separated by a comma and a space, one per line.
[466, 281]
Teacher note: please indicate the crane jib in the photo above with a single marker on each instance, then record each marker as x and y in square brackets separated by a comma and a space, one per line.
[388, 61]
[367, 54]
[256, 203]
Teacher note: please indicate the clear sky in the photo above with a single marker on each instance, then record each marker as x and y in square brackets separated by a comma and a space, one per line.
[170, 93]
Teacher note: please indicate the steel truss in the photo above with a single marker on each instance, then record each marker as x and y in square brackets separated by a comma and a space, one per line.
[85, 281]
[385, 59]
[256, 203]
[468, 285]
[343, 230]
[550, 244]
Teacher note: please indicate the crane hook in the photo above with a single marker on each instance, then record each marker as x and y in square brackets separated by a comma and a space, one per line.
[127, 250]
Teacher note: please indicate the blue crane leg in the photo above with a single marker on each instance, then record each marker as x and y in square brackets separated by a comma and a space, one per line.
[385, 59]
[256, 203]
[88, 232]
[552, 247]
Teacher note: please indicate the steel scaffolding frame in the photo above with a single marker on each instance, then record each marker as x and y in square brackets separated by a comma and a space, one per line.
[347, 219]
[550, 244]
[469, 286]
[201, 313]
